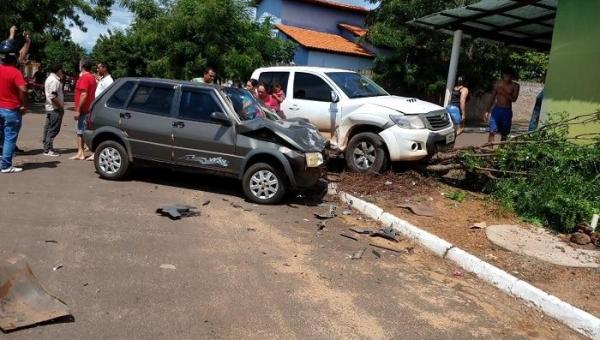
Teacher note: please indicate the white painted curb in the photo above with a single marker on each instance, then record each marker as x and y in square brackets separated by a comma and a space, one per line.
[577, 319]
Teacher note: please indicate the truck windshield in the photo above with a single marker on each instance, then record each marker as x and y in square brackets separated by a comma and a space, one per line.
[356, 86]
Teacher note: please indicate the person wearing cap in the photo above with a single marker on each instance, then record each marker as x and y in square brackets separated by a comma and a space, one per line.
[13, 96]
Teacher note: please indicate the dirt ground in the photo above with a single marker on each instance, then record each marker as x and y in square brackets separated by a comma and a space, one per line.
[240, 270]
[453, 220]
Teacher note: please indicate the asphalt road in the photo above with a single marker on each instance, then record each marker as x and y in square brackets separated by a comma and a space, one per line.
[241, 271]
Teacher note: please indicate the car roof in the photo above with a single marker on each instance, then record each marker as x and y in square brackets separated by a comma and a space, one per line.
[302, 68]
[170, 81]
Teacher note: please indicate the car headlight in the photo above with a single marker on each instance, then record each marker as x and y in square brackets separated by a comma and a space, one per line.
[408, 121]
[314, 159]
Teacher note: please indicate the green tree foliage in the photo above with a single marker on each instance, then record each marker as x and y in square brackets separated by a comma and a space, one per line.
[64, 52]
[45, 19]
[178, 39]
[418, 61]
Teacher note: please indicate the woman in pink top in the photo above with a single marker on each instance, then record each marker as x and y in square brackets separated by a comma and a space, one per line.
[265, 98]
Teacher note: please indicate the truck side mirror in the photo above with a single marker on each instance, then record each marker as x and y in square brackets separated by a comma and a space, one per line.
[334, 97]
[220, 117]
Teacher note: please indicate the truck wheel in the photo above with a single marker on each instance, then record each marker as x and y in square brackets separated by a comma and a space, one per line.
[365, 153]
[263, 184]
[111, 160]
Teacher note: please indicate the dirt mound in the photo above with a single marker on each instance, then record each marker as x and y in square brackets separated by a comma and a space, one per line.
[405, 183]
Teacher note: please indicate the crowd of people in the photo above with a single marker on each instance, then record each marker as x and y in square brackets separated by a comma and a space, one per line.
[13, 100]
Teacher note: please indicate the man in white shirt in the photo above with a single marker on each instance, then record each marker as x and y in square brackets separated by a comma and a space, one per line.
[54, 109]
[105, 78]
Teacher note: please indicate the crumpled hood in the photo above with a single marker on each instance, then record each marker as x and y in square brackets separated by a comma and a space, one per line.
[298, 133]
[403, 104]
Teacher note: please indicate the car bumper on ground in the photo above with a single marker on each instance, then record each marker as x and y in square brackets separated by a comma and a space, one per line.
[414, 144]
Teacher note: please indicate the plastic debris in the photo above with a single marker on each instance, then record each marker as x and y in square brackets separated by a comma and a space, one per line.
[207, 202]
[418, 209]
[458, 273]
[349, 236]
[178, 211]
[362, 230]
[388, 233]
[359, 254]
[51, 241]
[321, 225]
[168, 266]
[57, 267]
[376, 253]
[328, 215]
[23, 300]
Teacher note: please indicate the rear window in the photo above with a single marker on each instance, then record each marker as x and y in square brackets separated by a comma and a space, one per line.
[119, 98]
[152, 99]
[272, 78]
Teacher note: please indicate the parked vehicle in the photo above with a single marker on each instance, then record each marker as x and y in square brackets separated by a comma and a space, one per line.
[35, 92]
[182, 124]
[365, 124]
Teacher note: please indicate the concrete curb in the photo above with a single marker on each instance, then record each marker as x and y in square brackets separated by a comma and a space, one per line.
[575, 318]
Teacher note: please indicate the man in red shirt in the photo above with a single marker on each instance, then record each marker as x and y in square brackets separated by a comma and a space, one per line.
[85, 90]
[13, 95]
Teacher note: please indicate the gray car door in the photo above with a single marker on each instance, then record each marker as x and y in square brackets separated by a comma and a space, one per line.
[148, 121]
[200, 141]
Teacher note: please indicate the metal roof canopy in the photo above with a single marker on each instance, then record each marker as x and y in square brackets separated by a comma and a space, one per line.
[523, 23]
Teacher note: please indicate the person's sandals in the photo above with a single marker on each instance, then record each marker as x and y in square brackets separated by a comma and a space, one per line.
[11, 170]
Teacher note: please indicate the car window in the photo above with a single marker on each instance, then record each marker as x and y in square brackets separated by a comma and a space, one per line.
[152, 99]
[198, 105]
[310, 87]
[272, 78]
[356, 86]
[119, 98]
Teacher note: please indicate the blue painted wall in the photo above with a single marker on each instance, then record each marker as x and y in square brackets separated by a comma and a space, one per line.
[269, 8]
[317, 18]
[324, 59]
[301, 56]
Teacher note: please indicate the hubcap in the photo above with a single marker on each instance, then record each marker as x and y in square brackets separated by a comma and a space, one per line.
[109, 160]
[364, 155]
[264, 184]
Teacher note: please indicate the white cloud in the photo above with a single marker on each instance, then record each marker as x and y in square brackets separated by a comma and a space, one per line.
[120, 19]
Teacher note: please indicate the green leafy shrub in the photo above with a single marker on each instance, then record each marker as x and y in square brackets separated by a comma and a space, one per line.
[457, 196]
[546, 175]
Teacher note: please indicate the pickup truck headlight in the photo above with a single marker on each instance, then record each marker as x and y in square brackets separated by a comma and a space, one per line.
[314, 159]
[408, 121]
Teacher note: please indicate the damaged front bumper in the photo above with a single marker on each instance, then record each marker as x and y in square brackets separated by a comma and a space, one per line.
[414, 144]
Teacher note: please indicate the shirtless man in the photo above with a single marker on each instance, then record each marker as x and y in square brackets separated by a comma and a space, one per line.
[506, 92]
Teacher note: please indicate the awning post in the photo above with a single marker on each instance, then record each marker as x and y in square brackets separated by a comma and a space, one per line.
[452, 69]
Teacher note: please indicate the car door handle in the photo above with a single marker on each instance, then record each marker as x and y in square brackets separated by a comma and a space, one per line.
[125, 115]
[178, 124]
[294, 107]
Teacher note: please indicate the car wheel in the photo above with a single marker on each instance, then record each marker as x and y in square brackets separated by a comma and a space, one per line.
[111, 160]
[264, 184]
[365, 153]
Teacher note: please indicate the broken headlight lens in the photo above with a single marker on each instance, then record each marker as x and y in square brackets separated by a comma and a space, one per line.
[408, 121]
[314, 159]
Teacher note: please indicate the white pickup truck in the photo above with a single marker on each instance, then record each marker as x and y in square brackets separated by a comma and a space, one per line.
[366, 124]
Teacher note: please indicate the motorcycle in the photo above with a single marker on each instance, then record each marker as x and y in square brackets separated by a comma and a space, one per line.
[36, 92]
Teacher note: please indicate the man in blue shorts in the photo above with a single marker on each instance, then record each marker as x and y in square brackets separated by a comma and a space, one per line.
[506, 92]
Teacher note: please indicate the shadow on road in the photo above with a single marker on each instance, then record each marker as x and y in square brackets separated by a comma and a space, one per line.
[40, 165]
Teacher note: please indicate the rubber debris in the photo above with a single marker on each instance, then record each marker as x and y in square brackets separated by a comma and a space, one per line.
[177, 211]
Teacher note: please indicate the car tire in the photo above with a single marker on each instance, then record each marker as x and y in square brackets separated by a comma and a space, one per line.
[264, 184]
[111, 160]
[366, 153]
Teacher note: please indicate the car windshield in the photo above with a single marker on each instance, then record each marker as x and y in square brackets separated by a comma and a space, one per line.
[246, 106]
[356, 86]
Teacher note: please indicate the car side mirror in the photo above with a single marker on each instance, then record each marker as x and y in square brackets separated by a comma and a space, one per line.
[220, 117]
[334, 97]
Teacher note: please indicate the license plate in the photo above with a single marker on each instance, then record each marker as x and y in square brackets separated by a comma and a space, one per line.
[450, 138]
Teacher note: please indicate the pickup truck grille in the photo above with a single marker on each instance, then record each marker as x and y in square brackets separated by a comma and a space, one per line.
[438, 120]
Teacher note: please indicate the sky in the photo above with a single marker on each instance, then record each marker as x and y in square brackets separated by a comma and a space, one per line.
[121, 18]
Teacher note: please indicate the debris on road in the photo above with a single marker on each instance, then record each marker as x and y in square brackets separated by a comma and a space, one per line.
[321, 225]
[458, 273]
[346, 212]
[57, 267]
[359, 254]
[207, 202]
[480, 225]
[376, 253]
[328, 215]
[251, 229]
[23, 300]
[168, 266]
[418, 209]
[178, 211]
[388, 183]
[51, 241]
[367, 231]
[349, 236]
[235, 205]
[381, 246]
[388, 233]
